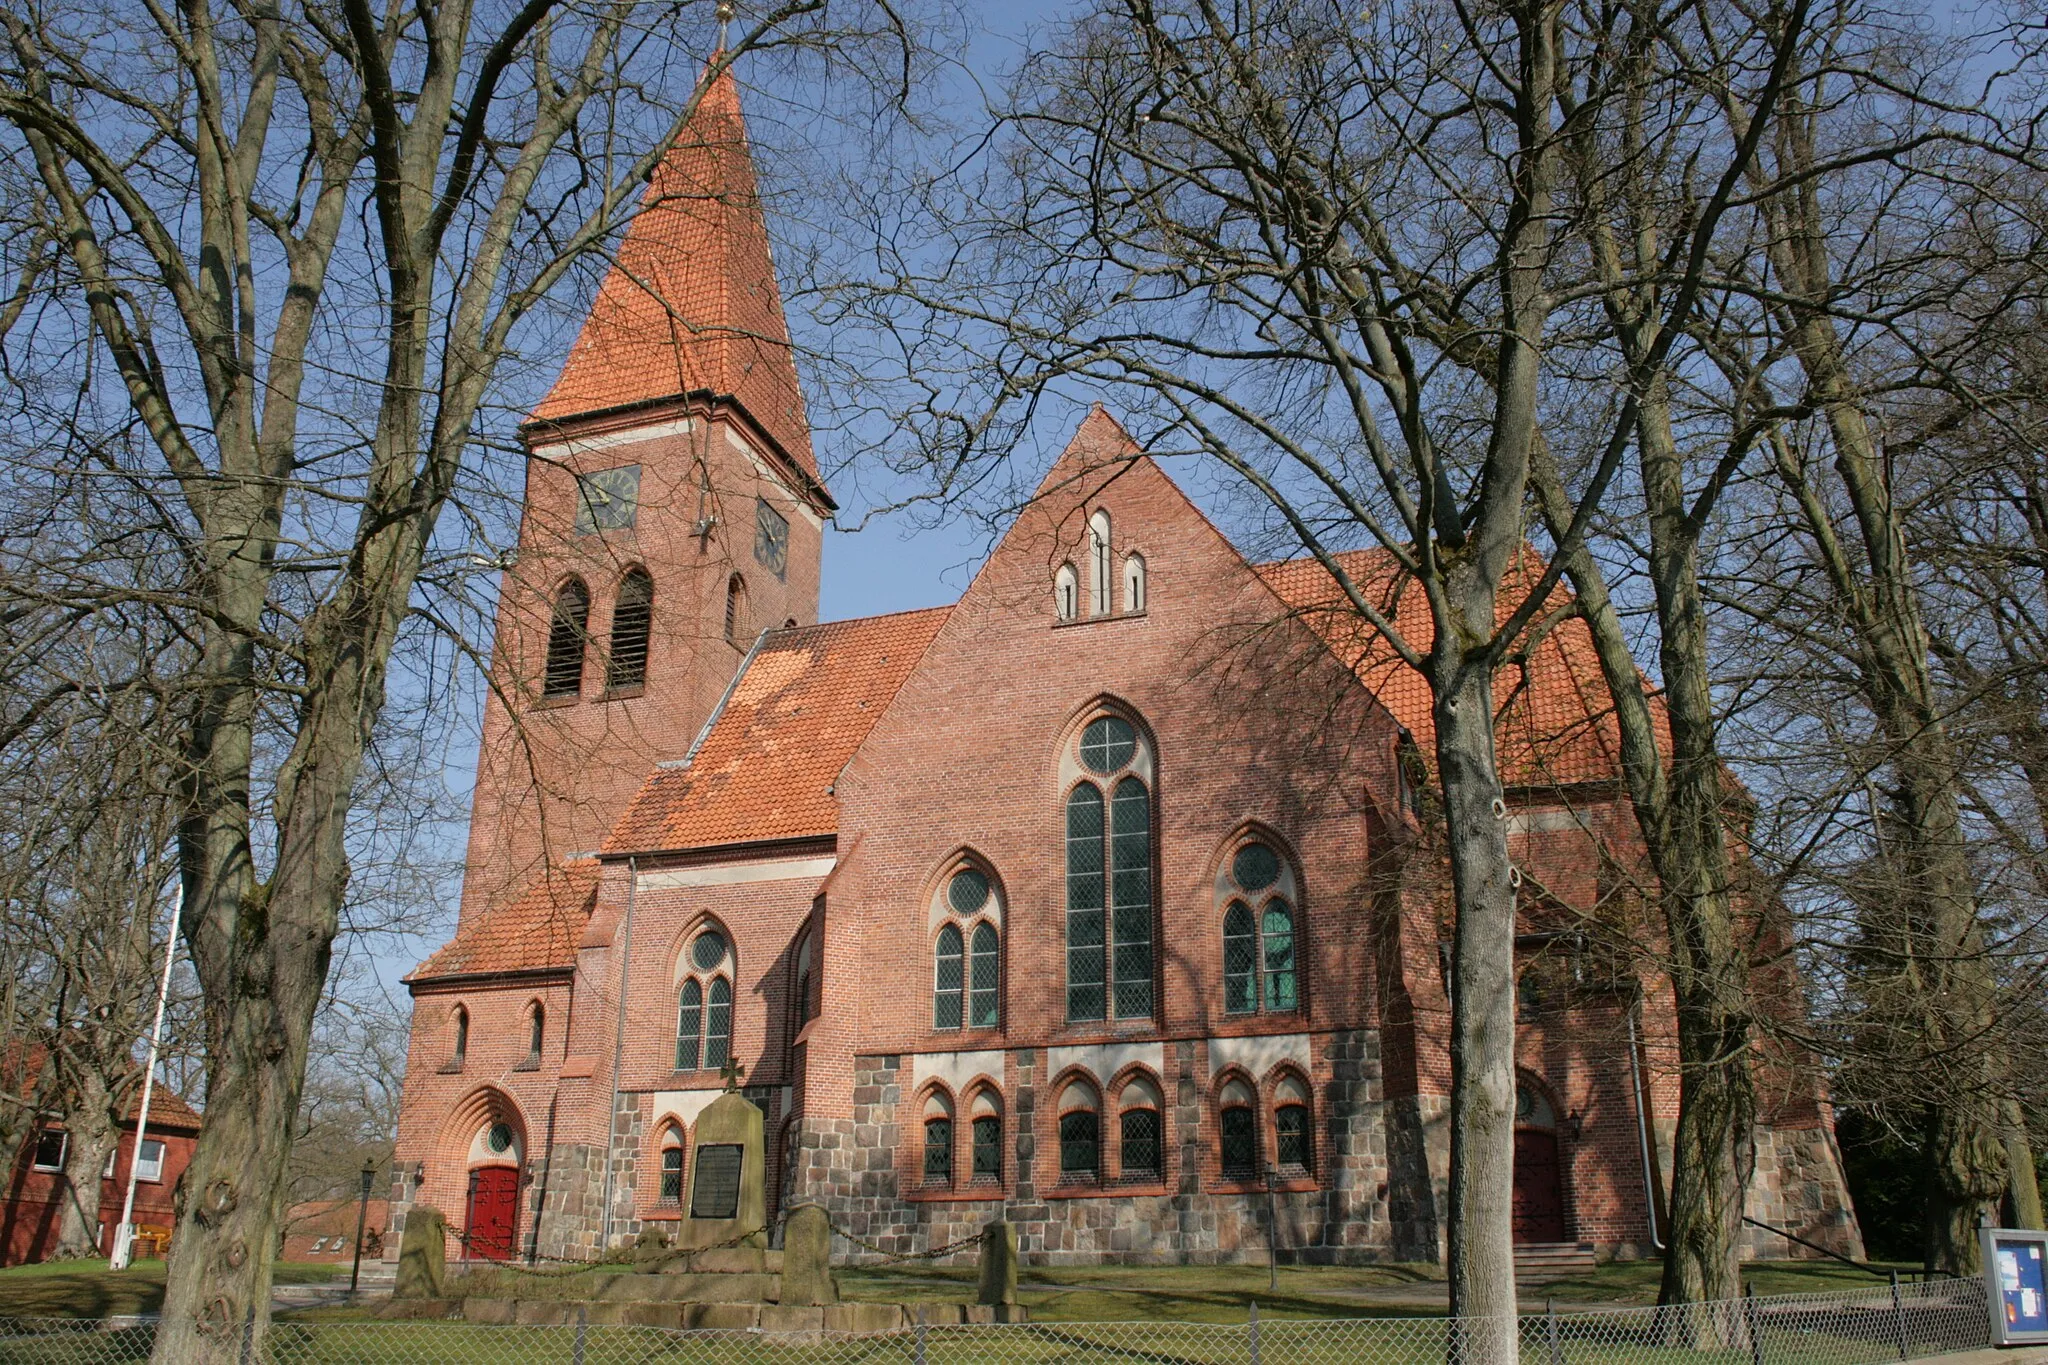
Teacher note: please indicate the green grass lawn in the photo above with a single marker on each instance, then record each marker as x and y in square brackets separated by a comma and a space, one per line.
[87, 1289]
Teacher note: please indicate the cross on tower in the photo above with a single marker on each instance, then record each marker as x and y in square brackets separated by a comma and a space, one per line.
[733, 1073]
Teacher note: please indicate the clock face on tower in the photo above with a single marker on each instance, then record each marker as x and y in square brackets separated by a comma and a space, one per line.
[771, 539]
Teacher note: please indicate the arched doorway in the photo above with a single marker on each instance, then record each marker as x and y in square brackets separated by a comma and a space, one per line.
[490, 1142]
[1539, 1169]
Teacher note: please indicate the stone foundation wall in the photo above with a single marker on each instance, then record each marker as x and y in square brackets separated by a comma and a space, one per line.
[1376, 1196]
[1798, 1186]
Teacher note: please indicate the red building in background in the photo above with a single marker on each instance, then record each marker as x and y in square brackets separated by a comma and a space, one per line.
[36, 1188]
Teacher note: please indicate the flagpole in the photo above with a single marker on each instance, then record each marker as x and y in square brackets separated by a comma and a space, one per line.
[124, 1231]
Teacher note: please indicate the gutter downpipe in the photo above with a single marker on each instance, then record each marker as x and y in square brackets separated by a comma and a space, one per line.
[611, 1118]
[1635, 1076]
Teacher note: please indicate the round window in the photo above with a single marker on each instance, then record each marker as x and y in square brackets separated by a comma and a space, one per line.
[1108, 743]
[968, 891]
[1256, 867]
[709, 950]
[499, 1139]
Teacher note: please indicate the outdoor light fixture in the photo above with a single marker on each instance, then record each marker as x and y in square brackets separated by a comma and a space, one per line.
[1575, 1124]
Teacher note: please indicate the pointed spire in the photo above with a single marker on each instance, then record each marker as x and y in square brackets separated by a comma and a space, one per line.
[690, 305]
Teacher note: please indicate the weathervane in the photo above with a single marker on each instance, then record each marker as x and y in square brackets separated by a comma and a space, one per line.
[724, 21]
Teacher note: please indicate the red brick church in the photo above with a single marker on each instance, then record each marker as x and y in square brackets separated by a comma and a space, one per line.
[1102, 899]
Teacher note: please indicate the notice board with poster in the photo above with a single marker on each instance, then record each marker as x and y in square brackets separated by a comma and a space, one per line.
[2016, 1273]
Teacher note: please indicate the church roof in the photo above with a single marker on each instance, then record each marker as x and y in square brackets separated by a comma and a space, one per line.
[536, 930]
[765, 766]
[690, 304]
[1557, 721]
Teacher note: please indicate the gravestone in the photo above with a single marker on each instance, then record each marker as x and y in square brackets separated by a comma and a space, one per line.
[422, 1255]
[728, 1177]
[807, 1258]
[998, 1263]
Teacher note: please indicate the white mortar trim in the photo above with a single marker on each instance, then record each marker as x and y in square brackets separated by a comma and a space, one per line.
[1259, 1055]
[956, 1069]
[741, 444]
[738, 874]
[1104, 1060]
[580, 445]
[685, 1106]
[1544, 818]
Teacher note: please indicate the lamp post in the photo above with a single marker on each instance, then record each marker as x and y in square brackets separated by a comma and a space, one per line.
[362, 1217]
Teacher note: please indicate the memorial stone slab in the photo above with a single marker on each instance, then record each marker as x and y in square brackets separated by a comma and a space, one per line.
[728, 1177]
[423, 1255]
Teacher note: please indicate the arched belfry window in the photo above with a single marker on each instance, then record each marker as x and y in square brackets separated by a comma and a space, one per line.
[1066, 593]
[632, 625]
[735, 609]
[568, 628]
[1103, 572]
[1257, 890]
[1134, 583]
[1109, 875]
[704, 1003]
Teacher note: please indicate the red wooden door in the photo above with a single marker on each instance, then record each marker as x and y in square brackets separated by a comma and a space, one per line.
[1539, 1187]
[493, 1211]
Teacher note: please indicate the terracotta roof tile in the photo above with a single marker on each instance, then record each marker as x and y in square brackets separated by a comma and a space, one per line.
[535, 931]
[22, 1062]
[1556, 716]
[766, 766]
[690, 302]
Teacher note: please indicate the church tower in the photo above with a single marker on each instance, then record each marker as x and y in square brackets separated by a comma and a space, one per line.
[673, 511]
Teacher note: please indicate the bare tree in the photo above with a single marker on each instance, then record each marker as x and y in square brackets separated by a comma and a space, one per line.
[1324, 247]
[300, 239]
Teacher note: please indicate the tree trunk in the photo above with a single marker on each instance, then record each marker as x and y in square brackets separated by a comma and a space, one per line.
[90, 1135]
[1481, 1250]
[2023, 1185]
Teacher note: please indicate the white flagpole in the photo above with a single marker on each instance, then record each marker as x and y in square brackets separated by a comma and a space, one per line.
[124, 1232]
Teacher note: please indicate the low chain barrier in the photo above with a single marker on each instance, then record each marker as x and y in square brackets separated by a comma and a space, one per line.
[1863, 1327]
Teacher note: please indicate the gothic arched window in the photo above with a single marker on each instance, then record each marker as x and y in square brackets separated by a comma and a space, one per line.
[1238, 1130]
[938, 1140]
[536, 1030]
[948, 979]
[988, 1135]
[1134, 583]
[704, 1003]
[1066, 593]
[1102, 571]
[632, 625]
[1292, 1147]
[1259, 968]
[1080, 1112]
[1139, 1132]
[984, 978]
[568, 627]
[460, 1052]
[671, 1165]
[735, 609]
[1109, 876]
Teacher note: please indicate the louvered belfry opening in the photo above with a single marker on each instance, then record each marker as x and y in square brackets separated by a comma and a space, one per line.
[632, 624]
[566, 633]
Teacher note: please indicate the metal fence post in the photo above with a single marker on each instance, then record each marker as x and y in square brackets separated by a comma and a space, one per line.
[1550, 1329]
[1756, 1330]
[582, 1330]
[1252, 1329]
[920, 1334]
[249, 1334]
[1899, 1315]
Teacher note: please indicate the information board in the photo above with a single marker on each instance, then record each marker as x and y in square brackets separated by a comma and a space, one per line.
[2016, 1269]
[717, 1191]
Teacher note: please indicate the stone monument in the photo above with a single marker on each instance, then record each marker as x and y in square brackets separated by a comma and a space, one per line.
[727, 1198]
[422, 1255]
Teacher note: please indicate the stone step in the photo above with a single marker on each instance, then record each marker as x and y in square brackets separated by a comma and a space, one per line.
[727, 1261]
[685, 1286]
[1539, 1261]
[839, 1318]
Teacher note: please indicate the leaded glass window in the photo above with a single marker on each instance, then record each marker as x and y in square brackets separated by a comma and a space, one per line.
[1276, 947]
[1240, 1130]
[1240, 960]
[947, 979]
[708, 951]
[718, 1025]
[1085, 964]
[689, 1026]
[672, 1175]
[1139, 1153]
[1080, 1143]
[938, 1151]
[567, 630]
[1109, 881]
[1259, 967]
[988, 1148]
[1131, 856]
[1290, 1135]
[985, 975]
[967, 892]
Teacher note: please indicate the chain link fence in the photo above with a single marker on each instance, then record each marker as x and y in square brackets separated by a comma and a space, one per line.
[1860, 1327]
